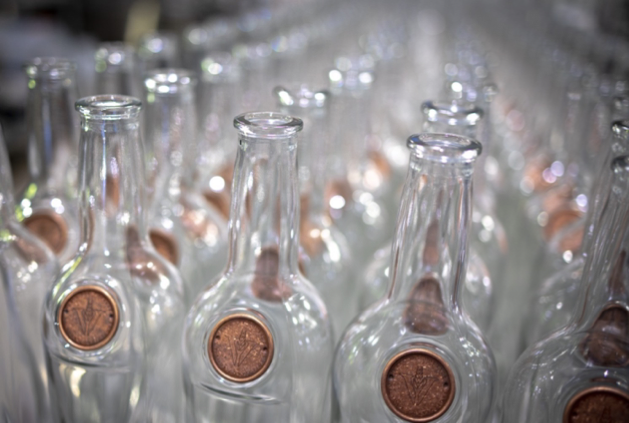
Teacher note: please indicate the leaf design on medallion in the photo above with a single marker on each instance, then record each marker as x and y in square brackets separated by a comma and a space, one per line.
[88, 318]
[241, 348]
[418, 385]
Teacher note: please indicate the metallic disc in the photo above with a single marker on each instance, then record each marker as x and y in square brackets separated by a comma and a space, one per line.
[88, 317]
[418, 385]
[240, 348]
[598, 405]
[165, 244]
[50, 228]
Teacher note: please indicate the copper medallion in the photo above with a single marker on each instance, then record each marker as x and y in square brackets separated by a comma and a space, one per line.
[50, 228]
[418, 385]
[598, 405]
[165, 245]
[88, 317]
[240, 348]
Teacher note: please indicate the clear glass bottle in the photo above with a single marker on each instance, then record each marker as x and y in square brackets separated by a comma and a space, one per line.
[552, 303]
[580, 373]
[112, 315]
[182, 226]
[47, 206]
[219, 103]
[415, 355]
[28, 269]
[116, 67]
[258, 343]
[326, 259]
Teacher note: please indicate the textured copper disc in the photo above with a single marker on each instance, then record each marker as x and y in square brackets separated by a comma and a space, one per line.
[266, 284]
[418, 385]
[559, 220]
[88, 317]
[165, 245]
[50, 228]
[598, 405]
[240, 348]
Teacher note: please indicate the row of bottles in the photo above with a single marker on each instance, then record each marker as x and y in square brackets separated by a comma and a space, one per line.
[184, 276]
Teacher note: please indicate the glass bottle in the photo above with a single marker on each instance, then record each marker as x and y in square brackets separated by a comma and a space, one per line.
[116, 67]
[580, 373]
[257, 343]
[219, 103]
[354, 192]
[415, 355]
[47, 206]
[556, 297]
[183, 228]
[326, 258]
[158, 50]
[113, 313]
[27, 270]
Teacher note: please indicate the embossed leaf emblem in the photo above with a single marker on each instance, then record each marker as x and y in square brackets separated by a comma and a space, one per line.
[241, 348]
[88, 318]
[418, 385]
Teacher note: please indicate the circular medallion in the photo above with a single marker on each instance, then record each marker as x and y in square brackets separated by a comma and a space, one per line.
[165, 245]
[240, 348]
[418, 385]
[88, 317]
[598, 405]
[50, 228]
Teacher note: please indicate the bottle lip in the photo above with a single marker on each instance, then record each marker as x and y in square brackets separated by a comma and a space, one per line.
[108, 107]
[620, 128]
[444, 147]
[51, 67]
[453, 113]
[301, 96]
[113, 54]
[268, 125]
[169, 81]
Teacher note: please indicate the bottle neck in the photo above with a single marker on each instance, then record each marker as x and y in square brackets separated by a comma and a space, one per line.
[111, 193]
[6, 187]
[431, 238]
[52, 127]
[264, 210]
[606, 269]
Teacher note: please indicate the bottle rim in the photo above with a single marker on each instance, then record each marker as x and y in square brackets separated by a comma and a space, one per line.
[301, 96]
[108, 107]
[51, 67]
[267, 125]
[169, 81]
[452, 113]
[444, 147]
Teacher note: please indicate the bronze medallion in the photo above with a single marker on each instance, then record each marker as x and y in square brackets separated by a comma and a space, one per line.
[165, 244]
[88, 317]
[418, 385]
[598, 405]
[50, 228]
[240, 348]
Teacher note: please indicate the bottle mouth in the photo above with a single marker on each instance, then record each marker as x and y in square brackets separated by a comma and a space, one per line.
[270, 125]
[51, 67]
[220, 65]
[452, 113]
[444, 148]
[108, 107]
[301, 96]
[116, 54]
[620, 128]
[169, 81]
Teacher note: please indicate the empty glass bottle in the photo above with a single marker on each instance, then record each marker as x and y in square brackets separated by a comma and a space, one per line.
[116, 67]
[112, 315]
[182, 226]
[27, 270]
[580, 373]
[258, 343]
[415, 355]
[47, 206]
[326, 258]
